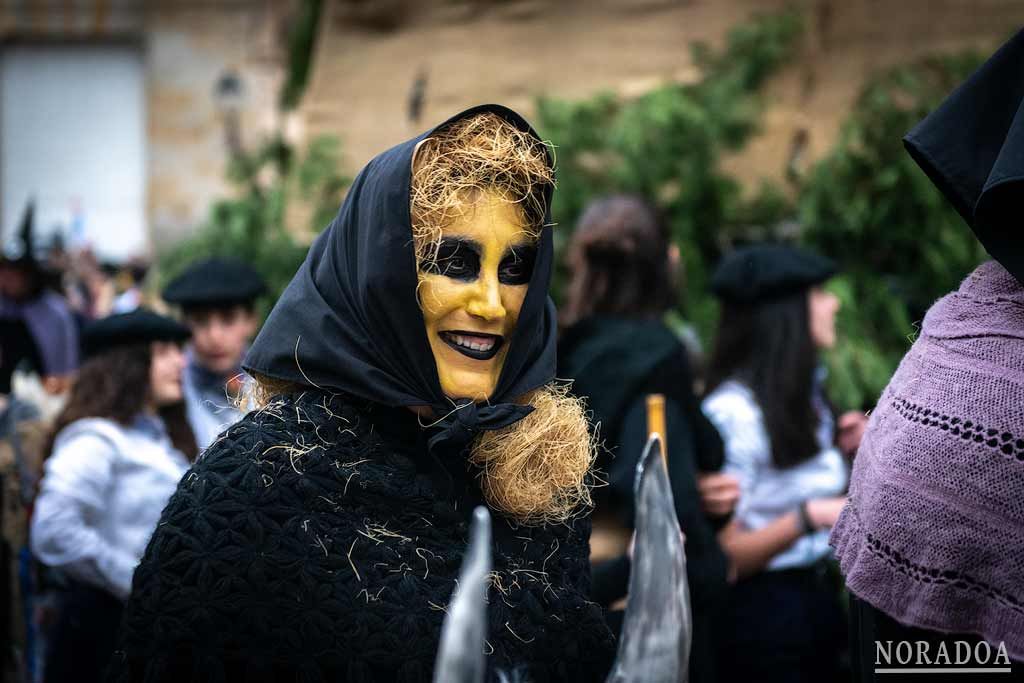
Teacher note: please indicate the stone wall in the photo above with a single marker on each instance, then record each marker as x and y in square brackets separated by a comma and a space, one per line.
[190, 46]
[370, 56]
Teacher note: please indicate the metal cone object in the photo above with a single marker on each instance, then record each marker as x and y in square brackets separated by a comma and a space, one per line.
[460, 659]
[655, 643]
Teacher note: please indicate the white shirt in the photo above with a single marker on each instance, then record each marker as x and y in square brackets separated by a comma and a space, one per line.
[210, 411]
[767, 492]
[101, 496]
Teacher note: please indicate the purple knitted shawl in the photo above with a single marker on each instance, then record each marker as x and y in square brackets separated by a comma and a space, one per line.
[933, 533]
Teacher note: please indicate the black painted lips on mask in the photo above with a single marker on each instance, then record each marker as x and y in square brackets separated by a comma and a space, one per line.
[349, 320]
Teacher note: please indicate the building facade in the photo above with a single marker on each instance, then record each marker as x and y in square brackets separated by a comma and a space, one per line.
[119, 116]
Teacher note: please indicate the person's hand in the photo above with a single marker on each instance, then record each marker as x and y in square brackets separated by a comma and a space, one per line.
[719, 493]
[850, 430]
[824, 512]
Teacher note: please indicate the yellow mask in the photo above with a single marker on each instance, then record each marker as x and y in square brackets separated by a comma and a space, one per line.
[472, 293]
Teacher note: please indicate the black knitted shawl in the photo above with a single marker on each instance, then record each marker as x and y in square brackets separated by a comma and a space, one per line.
[317, 540]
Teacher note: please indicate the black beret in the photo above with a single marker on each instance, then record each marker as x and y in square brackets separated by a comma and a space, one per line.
[123, 329]
[768, 271]
[215, 282]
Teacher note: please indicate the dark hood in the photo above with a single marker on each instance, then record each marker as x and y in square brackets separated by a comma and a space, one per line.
[972, 148]
[349, 320]
[611, 361]
[615, 361]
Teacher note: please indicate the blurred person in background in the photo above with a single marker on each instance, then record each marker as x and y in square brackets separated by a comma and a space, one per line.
[89, 286]
[931, 543]
[38, 357]
[784, 620]
[217, 298]
[118, 450]
[617, 350]
[36, 326]
[23, 437]
[129, 283]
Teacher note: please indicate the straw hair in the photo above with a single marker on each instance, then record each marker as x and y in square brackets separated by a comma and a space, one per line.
[479, 153]
[535, 470]
[258, 393]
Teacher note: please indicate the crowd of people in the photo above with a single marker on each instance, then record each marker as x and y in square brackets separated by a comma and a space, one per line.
[189, 495]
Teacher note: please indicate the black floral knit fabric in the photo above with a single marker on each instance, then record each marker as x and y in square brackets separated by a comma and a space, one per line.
[318, 540]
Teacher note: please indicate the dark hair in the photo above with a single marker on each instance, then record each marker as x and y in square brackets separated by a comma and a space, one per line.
[37, 279]
[115, 385]
[768, 347]
[618, 256]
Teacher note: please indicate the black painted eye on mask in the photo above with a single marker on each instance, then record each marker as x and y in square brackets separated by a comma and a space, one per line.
[517, 267]
[459, 259]
[455, 258]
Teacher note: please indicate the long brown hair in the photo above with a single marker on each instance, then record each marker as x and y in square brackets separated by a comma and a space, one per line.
[618, 256]
[115, 385]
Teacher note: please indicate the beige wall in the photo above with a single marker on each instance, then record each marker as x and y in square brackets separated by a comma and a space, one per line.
[511, 51]
[847, 41]
[189, 46]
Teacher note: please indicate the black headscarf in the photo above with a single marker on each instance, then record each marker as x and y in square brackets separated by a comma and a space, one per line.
[349, 320]
[972, 148]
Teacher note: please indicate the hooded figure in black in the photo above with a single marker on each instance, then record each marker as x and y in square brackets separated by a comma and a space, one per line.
[972, 149]
[406, 376]
[617, 350]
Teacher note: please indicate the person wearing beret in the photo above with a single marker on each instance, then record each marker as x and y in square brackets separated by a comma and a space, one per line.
[783, 621]
[118, 449]
[931, 542]
[216, 297]
[408, 375]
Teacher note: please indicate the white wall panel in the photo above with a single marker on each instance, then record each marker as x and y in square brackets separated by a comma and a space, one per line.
[72, 135]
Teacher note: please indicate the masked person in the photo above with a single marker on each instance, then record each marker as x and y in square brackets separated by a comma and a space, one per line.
[784, 620]
[409, 365]
[931, 543]
[120, 445]
[216, 297]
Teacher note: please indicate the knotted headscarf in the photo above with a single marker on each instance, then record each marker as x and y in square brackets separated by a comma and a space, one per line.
[349, 321]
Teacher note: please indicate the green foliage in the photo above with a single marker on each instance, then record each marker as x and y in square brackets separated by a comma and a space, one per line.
[866, 204]
[251, 225]
[666, 145]
[899, 243]
[301, 41]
